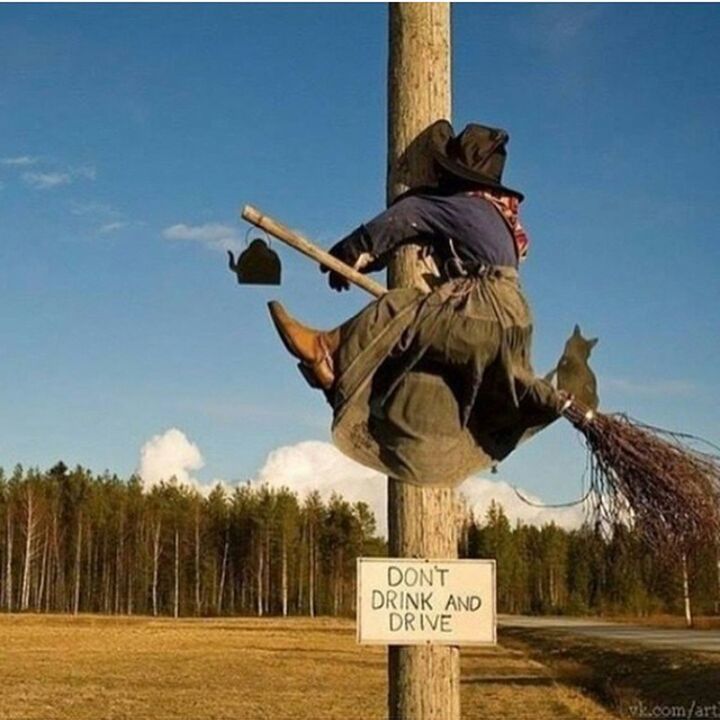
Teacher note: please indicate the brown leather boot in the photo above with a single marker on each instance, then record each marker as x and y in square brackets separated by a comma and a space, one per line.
[314, 348]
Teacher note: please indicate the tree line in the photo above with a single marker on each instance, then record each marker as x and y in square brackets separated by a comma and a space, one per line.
[72, 541]
[590, 570]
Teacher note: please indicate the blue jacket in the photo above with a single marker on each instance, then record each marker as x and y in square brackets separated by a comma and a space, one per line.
[456, 224]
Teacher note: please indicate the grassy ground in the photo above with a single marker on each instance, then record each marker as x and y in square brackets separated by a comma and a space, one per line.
[632, 680]
[92, 668]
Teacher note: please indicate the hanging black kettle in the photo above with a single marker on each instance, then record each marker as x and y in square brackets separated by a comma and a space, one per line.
[258, 264]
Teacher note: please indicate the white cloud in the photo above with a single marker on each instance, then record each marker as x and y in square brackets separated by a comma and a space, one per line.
[55, 178]
[321, 466]
[19, 161]
[167, 455]
[213, 235]
[111, 227]
[43, 181]
[107, 218]
[94, 209]
[314, 465]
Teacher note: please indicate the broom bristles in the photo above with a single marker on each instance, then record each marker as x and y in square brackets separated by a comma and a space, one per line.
[650, 477]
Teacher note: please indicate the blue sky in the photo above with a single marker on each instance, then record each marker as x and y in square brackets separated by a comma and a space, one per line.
[131, 135]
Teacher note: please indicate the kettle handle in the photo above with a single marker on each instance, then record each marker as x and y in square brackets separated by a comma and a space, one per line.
[250, 229]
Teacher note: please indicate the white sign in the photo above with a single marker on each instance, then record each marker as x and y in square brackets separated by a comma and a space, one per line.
[403, 601]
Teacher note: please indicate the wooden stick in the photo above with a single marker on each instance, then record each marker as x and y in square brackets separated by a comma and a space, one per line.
[294, 240]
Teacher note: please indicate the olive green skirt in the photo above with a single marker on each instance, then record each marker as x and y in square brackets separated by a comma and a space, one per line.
[431, 388]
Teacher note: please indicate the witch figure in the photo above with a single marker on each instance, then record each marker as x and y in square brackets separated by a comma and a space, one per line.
[430, 387]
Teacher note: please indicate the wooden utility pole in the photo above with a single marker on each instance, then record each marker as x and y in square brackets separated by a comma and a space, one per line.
[423, 681]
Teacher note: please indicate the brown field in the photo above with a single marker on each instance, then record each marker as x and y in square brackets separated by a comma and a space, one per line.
[91, 668]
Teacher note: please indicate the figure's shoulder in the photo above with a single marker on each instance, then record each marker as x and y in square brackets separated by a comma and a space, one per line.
[424, 194]
[433, 199]
[458, 203]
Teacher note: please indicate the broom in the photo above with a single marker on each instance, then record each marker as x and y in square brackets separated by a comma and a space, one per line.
[650, 478]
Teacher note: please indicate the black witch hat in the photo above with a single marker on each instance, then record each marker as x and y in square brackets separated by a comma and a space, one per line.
[476, 155]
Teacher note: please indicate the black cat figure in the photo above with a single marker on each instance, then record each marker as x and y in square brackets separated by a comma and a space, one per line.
[573, 372]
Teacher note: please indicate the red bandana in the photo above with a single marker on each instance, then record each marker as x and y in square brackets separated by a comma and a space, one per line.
[508, 206]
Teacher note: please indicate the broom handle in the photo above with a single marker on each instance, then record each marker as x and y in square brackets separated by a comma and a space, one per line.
[294, 240]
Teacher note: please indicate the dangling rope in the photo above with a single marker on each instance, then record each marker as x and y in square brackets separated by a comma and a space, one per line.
[573, 503]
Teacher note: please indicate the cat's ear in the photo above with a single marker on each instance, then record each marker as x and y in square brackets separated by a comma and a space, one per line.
[592, 342]
[576, 331]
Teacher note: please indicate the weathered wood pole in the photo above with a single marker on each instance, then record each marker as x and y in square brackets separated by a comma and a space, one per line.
[423, 681]
[686, 591]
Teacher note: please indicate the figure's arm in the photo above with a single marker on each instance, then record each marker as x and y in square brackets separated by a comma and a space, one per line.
[368, 247]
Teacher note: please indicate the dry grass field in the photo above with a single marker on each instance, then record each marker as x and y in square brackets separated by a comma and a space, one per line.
[92, 668]
[625, 676]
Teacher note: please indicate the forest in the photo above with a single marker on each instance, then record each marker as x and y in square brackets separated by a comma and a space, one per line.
[72, 541]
